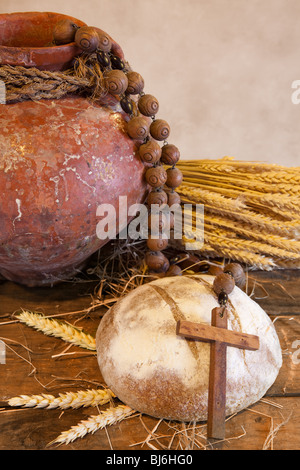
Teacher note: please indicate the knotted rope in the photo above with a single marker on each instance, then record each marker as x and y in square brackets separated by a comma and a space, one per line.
[23, 83]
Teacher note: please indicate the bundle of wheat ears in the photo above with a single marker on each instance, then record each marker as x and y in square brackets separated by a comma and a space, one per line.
[251, 210]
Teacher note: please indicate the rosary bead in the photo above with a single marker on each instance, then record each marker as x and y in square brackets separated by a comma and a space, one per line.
[103, 58]
[117, 63]
[148, 105]
[156, 177]
[157, 244]
[223, 298]
[135, 83]
[116, 82]
[157, 197]
[170, 154]
[192, 263]
[174, 177]
[215, 270]
[160, 129]
[171, 220]
[223, 283]
[236, 271]
[104, 42]
[87, 38]
[174, 270]
[138, 128]
[173, 198]
[203, 267]
[157, 261]
[126, 105]
[157, 223]
[150, 152]
[64, 32]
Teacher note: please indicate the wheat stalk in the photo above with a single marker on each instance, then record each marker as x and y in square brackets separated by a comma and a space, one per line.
[74, 400]
[226, 244]
[62, 330]
[253, 246]
[93, 424]
[240, 182]
[292, 246]
[268, 174]
[207, 197]
[251, 217]
[277, 246]
[281, 201]
[254, 260]
[241, 186]
[230, 165]
[275, 177]
[251, 210]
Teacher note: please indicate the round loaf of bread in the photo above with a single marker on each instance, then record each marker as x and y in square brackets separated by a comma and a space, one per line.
[156, 372]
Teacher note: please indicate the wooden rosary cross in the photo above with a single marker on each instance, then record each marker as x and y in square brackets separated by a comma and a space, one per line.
[219, 337]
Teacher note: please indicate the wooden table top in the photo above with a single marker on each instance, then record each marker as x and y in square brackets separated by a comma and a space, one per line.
[272, 423]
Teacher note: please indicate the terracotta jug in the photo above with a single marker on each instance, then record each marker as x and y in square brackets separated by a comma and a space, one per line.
[59, 160]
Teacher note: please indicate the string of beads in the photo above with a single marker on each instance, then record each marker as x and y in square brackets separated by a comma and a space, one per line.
[143, 127]
[226, 279]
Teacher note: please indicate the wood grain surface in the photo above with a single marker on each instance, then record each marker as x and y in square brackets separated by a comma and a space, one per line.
[30, 368]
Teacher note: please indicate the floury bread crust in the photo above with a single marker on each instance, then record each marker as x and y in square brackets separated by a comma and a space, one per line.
[156, 372]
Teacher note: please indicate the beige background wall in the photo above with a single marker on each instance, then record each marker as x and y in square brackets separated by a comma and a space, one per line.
[221, 69]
